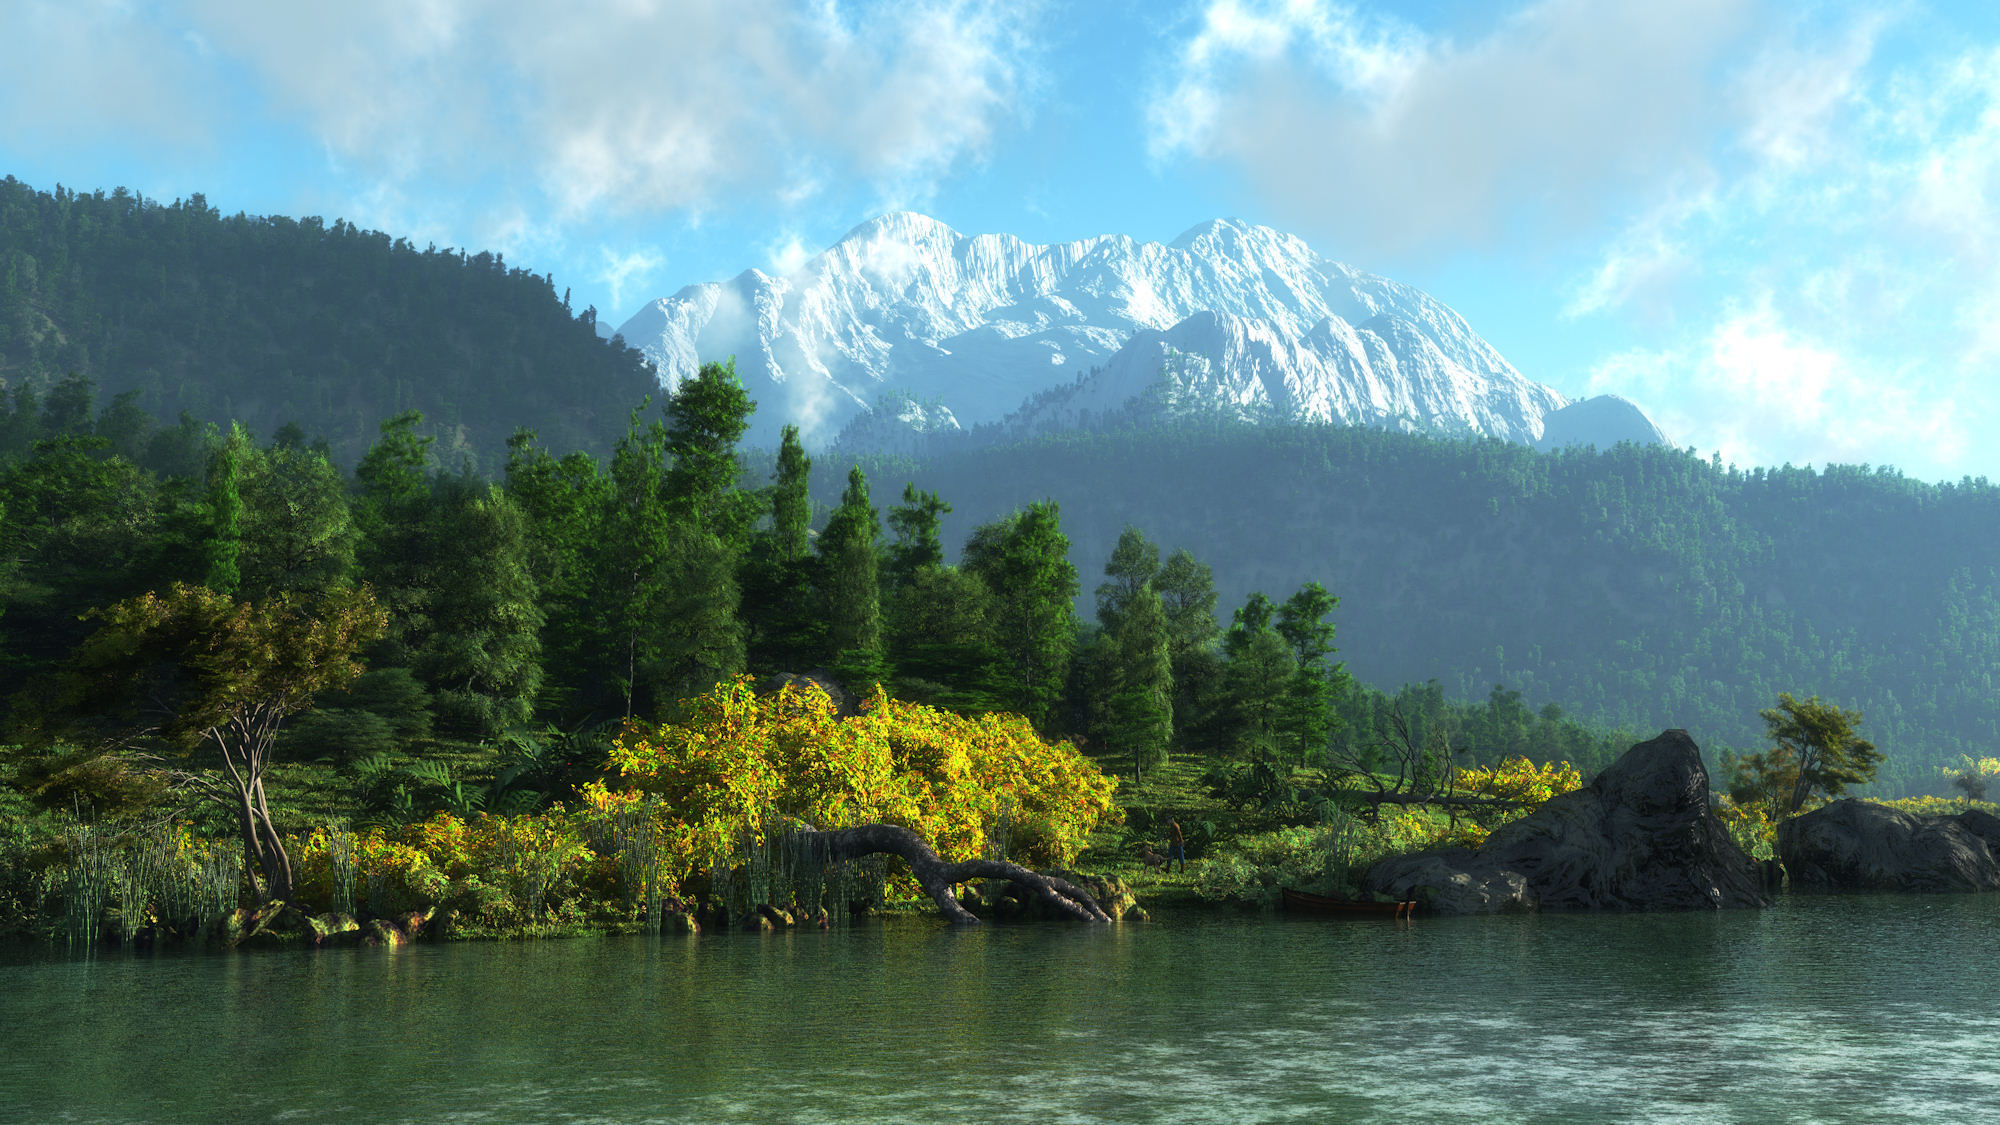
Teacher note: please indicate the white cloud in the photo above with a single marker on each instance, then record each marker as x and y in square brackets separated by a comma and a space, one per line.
[75, 70]
[1762, 393]
[578, 109]
[621, 269]
[1849, 297]
[1386, 139]
[787, 255]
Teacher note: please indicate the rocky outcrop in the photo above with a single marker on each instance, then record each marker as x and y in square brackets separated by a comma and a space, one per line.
[1641, 836]
[1855, 845]
[1453, 882]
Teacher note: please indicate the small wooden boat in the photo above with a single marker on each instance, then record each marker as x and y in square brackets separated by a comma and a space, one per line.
[1300, 902]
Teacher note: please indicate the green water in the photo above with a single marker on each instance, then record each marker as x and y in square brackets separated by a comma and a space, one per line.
[1822, 1009]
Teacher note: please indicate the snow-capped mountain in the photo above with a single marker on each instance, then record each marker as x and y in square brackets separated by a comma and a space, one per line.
[1229, 316]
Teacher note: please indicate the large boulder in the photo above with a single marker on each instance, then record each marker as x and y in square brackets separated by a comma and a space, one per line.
[1640, 836]
[1454, 882]
[1855, 845]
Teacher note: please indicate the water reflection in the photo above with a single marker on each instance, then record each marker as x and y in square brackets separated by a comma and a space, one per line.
[1820, 1010]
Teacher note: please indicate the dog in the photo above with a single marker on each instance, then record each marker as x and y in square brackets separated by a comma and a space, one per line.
[1151, 858]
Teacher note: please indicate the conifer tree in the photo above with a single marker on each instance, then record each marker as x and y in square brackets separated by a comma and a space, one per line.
[1141, 706]
[565, 504]
[225, 514]
[791, 504]
[849, 562]
[919, 543]
[1024, 561]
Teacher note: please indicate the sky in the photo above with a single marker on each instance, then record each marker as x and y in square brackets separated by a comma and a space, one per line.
[1774, 226]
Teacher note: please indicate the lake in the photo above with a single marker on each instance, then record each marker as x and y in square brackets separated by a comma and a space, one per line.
[1818, 1010]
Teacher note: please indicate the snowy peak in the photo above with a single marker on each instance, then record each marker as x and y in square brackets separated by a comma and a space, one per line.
[980, 328]
[1384, 373]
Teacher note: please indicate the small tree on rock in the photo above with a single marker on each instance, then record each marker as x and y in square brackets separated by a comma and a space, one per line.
[1821, 738]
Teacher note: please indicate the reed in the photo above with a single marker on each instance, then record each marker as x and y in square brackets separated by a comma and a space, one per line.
[636, 840]
[89, 878]
[340, 861]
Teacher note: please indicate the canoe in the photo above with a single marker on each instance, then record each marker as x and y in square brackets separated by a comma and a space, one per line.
[1299, 902]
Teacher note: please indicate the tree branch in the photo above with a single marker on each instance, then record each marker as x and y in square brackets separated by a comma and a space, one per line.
[937, 877]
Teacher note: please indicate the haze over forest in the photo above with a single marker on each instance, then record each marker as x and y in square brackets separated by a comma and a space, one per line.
[1640, 586]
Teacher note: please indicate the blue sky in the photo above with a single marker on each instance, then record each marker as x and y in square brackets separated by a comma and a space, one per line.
[1774, 225]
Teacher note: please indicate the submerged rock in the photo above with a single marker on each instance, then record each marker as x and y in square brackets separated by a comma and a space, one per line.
[1640, 836]
[1855, 845]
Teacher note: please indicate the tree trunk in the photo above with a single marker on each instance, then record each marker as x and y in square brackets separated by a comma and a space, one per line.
[1460, 802]
[937, 877]
[278, 863]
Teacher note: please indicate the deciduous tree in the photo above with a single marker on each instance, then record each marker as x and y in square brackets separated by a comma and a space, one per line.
[215, 679]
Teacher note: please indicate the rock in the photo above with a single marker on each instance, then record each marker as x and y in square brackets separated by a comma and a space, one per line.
[1640, 836]
[678, 922]
[1453, 882]
[844, 704]
[380, 932]
[274, 925]
[335, 929]
[755, 922]
[415, 924]
[780, 919]
[1856, 845]
[1984, 825]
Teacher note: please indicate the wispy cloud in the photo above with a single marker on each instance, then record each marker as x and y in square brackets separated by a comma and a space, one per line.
[1850, 267]
[1761, 393]
[622, 269]
[1386, 139]
[604, 106]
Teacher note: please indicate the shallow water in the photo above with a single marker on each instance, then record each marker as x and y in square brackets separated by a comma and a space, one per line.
[1818, 1010]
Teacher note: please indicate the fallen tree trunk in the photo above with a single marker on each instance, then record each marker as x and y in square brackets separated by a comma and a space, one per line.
[1458, 802]
[937, 877]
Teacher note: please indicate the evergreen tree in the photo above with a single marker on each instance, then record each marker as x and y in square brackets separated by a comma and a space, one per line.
[706, 417]
[1308, 717]
[631, 591]
[222, 573]
[298, 530]
[482, 662]
[848, 558]
[1141, 706]
[1134, 563]
[696, 597]
[1187, 597]
[941, 641]
[399, 546]
[783, 615]
[565, 505]
[919, 543]
[791, 503]
[1024, 561]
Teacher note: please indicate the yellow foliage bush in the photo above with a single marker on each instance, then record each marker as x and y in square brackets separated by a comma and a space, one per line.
[1518, 779]
[527, 862]
[740, 764]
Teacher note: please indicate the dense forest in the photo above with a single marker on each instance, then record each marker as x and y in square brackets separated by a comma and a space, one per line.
[578, 591]
[1640, 586]
[265, 320]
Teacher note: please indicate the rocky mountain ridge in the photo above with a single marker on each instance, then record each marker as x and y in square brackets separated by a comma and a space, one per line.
[911, 327]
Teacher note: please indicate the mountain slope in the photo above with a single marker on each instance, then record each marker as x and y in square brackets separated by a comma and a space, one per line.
[274, 320]
[1638, 585]
[905, 304]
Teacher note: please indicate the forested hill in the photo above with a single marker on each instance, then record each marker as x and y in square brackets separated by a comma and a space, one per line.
[274, 320]
[1642, 587]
